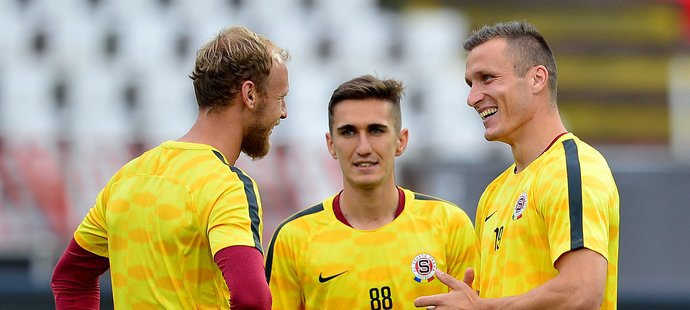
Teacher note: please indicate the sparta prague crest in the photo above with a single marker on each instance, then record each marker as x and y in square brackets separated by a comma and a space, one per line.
[520, 206]
[424, 268]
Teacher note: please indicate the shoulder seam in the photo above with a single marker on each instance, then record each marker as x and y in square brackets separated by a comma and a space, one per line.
[252, 202]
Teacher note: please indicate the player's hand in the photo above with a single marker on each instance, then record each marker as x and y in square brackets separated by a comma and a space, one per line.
[461, 296]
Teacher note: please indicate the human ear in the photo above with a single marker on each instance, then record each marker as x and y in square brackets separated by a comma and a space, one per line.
[248, 92]
[329, 144]
[403, 138]
[540, 78]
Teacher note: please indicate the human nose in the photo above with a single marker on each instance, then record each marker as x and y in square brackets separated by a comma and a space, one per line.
[363, 145]
[475, 96]
[283, 110]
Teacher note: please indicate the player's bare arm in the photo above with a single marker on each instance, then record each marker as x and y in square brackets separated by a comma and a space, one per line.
[579, 285]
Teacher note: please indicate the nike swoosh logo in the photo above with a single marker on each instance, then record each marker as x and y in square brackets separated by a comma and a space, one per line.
[490, 215]
[326, 279]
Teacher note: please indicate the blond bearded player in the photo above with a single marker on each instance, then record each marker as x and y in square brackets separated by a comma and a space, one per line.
[180, 226]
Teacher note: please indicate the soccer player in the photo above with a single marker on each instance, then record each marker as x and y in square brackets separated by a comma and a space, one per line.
[374, 245]
[180, 226]
[548, 225]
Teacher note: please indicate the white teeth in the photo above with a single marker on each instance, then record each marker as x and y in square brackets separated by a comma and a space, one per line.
[488, 112]
[364, 164]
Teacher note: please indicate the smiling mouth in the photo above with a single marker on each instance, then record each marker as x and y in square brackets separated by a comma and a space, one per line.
[488, 113]
[365, 165]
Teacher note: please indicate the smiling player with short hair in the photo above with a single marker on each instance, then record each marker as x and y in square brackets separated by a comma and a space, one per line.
[548, 226]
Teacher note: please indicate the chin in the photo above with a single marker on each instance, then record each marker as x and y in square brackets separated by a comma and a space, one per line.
[257, 145]
[257, 151]
[365, 182]
[490, 136]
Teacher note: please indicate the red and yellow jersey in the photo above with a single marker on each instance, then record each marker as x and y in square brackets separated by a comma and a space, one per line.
[314, 261]
[160, 220]
[565, 200]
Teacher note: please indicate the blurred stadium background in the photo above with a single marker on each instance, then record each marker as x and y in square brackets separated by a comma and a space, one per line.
[86, 85]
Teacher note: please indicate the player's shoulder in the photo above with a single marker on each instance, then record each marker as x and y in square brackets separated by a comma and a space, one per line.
[306, 214]
[212, 160]
[302, 221]
[428, 203]
[136, 166]
[573, 151]
[437, 212]
[183, 156]
[422, 198]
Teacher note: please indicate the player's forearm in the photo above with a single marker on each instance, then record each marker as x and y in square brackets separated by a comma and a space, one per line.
[75, 278]
[547, 296]
[580, 284]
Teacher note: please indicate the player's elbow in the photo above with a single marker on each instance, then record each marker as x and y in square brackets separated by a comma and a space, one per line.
[581, 295]
[62, 280]
[592, 303]
[58, 281]
[585, 298]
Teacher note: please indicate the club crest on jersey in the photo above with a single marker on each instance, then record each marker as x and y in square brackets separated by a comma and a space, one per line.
[520, 206]
[424, 268]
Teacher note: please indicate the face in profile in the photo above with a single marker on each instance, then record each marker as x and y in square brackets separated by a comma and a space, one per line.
[497, 93]
[269, 109]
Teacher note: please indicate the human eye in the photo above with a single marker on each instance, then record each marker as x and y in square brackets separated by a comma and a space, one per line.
[377, 130]
[346, 132]
[487, 78]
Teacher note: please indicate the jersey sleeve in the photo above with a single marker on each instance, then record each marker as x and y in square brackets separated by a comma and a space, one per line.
[92, 234]
[235, 218]
[75, 278]
[243, 271]
[463, 247]
[281, 269]
[576, 205]
[599, 198]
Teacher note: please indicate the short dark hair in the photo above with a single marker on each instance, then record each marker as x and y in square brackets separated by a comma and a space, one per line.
[525, 43]
[369, 87]
[224, 63]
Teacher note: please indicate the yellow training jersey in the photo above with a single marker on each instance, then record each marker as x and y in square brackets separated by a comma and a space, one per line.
[314, 261]
[565, 200]
[160, 220]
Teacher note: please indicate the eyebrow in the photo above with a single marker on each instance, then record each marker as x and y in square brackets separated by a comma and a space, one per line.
[377, 126]
[369, 127]
[345, 127]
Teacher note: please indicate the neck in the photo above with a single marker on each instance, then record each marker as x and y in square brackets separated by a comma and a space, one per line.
[220, 129]
[369, 208]
[534, 141]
